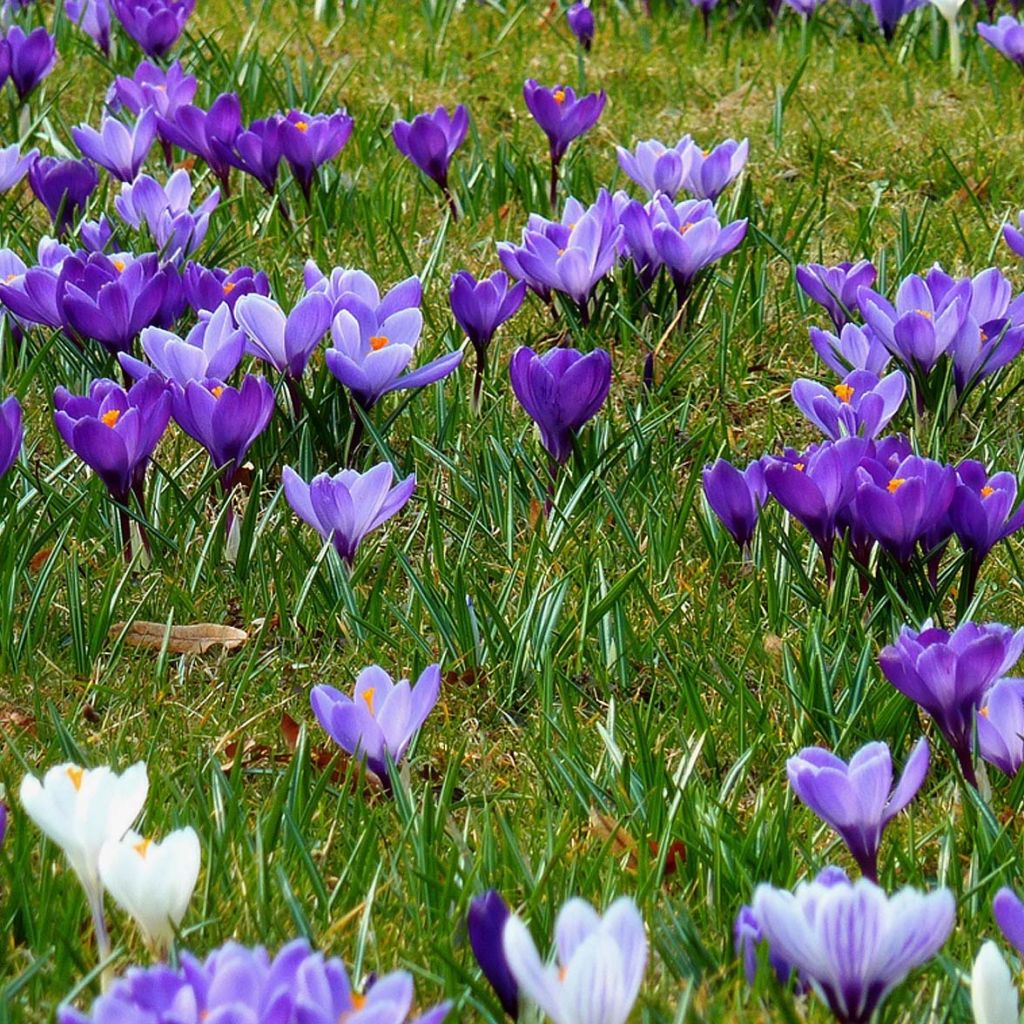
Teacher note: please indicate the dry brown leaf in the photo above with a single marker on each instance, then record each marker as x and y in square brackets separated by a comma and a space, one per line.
[197, 638]
[608, 830]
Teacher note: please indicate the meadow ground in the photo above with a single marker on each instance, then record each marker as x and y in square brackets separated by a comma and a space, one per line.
[618, 685]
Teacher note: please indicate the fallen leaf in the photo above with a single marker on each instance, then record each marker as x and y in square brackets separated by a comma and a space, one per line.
[39, 560]
[197, 638]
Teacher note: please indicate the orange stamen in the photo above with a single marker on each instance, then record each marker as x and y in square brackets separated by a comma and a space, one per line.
[142, 848]
[378, 341]
[843, 392]
[368, 697]
[559, 96]
[119, 265]
[987, 491]
[217, 391]
[302, 126]
[229, 287]
[111, 416]
[896, 483]
[75, 774]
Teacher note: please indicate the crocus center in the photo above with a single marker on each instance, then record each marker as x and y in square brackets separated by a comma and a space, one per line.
[983, 336]
[896, 483]
[160, 88]
[217, 391]
[798, 466]
[368, 697]
[358, 1002]
[559, 95]
[843, 392]
[683, 228]
[142, 848]
[9, 278]
[983, 712]
[924, 312]
[987, 492]
[378, 341]
[111, 416]
[229, 287]
[75, 774]
[119, 265]
[302, 126]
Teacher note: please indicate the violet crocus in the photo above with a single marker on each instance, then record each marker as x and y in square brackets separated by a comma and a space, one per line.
[309, 141]
[555, 231]
[563, 117]
[256, 151]
[285, 341]
[63, 187]
[206, 288]
[480, 308]
[118, 148]
[889, 13]
[152, 86]
[342, 286]
[32, 57]
[1006, 36]
[1008, 910]
[30, 294]
[1000, 725]
[235, 983]
[11, 433]
[345, 507]
[857, 799]
[213, 348]
[656, 167]
[197, 131]
[156, 25]
[836, 288]
[580, 19]
[861, 405]
[852, 942]
[485, 924]
[561, 390]
[947, 674]
[992, 334]
[14, 166]
[736, 497]
[381, 718]
[430, 141]
[855, 348]
[93, 18]
[709, 174]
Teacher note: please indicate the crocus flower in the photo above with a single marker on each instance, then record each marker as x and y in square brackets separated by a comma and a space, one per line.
[861, 405]
[213, 348]
[855, 348]
[857, 799]
[381, 718]
[208, 288]
[1008, 911]
[97, 235]
[560, 390]
[1006, 36]
[63, 187]
[854, 943]
[430, 140]
[155, 25]
[563, 117]
[889, 13]
[30, 293]
[486, 924]
[3, 822]
[80, 809]
[285, 341]
[805, 8]
[309, 141]
[992, 333]
[239, 984]
[709, 174]
[32, 58]
[14, 166]
[152, 86]
[836, 288]
[656, 167]
[342, 286]
[346, 507]
[11, 433]
[736, 497]
[114, 431]
[1000, 725]
[581, 23]
[555, 231]
[947, 674]
[601, 961]
[224, 420]
[993, 993]
[196, 131]
[93, 18]
[256, 150]
[118, 148]
[152, 881]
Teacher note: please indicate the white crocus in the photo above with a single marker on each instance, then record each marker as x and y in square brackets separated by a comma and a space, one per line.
[152, 881]
[600, 966]
[993, 994]
[80, 809]
[948, 10]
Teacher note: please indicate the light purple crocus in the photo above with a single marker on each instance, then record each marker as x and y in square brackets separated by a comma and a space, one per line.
[709, 174]
[381, 718]
[32, 57]
[656, 167]
[861, 405]
[118, 148]
[345, 507]
[285, 341]
[855, 348]
[1008, 911]
[992, 334]
[1000, 725]
[156, 25]
[736, 497]
[93, 18]
[342, 286]
[948, 673]
[1006, 36]
[555, 231]
[836, 288]
[309, 141]
[11, 433]
[14, 166]
[30, 294]
[430, 141]
[152, 86]
[857, 799]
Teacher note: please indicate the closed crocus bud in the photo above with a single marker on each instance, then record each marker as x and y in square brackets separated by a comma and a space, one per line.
[32, 58]
[430, 141]
[581, 22]
[1006, 36]
[93, 18]
[155, 25]
[63, 187]
[485, 924]
[152, 881]
[256, 150]
[736, 497]
[835, 289]
[993, 993]
[11, 433]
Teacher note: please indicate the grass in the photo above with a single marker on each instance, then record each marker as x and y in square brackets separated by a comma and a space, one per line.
[616, 679]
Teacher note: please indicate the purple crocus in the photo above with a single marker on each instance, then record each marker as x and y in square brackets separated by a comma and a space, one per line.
[114, 431]
[563, 117]
[381, 718]
[736, 497]
[285, 341]
[30, 294]
[3, 822]
[152, 87]
[852, 942]
[581, 23]
[560, 390]
[342, 285]
[309, 141]
[947, 674]
[430, 140]
[1006, 36]
[206, 133]
[11, 433]
[345, 507]
[224, 420]
[1013, 237]
[213, 348]
[709, 174]
[118, 148]
[1008, 911]
[32, 58]
[14, 166]
[992, 334]
[656, 167]
[836, 288]
[485, 923]
[889, 13]
[235, 983]
[480, 308]
[855, 348]
[63, 187]
[256, 151]
[555, 231]
[93, 18]
[857, 799]
[860, 406]
[1000, 725]
[207, 288]
[156, 25]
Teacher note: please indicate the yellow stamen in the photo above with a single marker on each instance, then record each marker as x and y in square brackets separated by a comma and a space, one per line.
[119, 265]
[562, 972]
[896, 483]
[217, 391]
[9, 278]
[75, 774]
[229, 287]
[798, 466]
[378, 341]
[368, 697]
[559, 95]
[142, 848]
[987, 491]
[983, 712]
[302, 126]
[924, 312]
[983, 336]
[683, 228]
[358, 1000]
[843, 392]
[111, 416]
